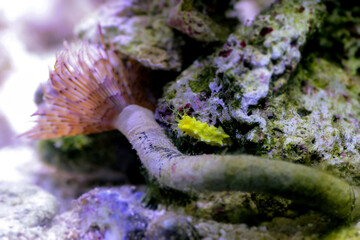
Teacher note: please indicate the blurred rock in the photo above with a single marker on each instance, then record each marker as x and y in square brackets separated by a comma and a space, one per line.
[113, 214]
[24, 211]
[106, 213]
[118, 213]
[171, 227]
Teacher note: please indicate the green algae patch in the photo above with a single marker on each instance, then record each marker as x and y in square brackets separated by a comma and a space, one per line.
[201, 82]
[171, 95]
[80, 142]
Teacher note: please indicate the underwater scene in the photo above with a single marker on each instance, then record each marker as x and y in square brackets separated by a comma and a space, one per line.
[179, 119]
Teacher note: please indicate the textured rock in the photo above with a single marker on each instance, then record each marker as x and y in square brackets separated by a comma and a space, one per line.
[25, 211]
[187, 19]
[229, 87]
[137, 29]
[315, 118]
[112, 214]
[170, 226]
[118, 213]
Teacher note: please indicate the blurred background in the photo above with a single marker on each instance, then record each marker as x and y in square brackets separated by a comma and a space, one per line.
[30, 34]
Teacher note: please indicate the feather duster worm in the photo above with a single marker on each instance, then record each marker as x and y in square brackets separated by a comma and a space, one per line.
[87, 89]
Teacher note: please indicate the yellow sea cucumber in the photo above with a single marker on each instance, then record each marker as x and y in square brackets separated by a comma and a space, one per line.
[203, 132]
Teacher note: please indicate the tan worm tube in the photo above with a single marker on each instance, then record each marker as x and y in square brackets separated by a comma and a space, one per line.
[234, 172]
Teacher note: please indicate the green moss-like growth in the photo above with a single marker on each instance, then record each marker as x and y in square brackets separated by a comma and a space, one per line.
[202, 81]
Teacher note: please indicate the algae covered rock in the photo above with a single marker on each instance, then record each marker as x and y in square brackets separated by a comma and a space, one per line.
[314, 119]
[272, 104]
[229, 88]
[269, 106]
[137, 29]
[118, 213]
[194, 20]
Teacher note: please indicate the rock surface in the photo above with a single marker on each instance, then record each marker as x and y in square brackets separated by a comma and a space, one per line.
[118, 213]
[137, 29]
[25, 211]
[229, 88]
